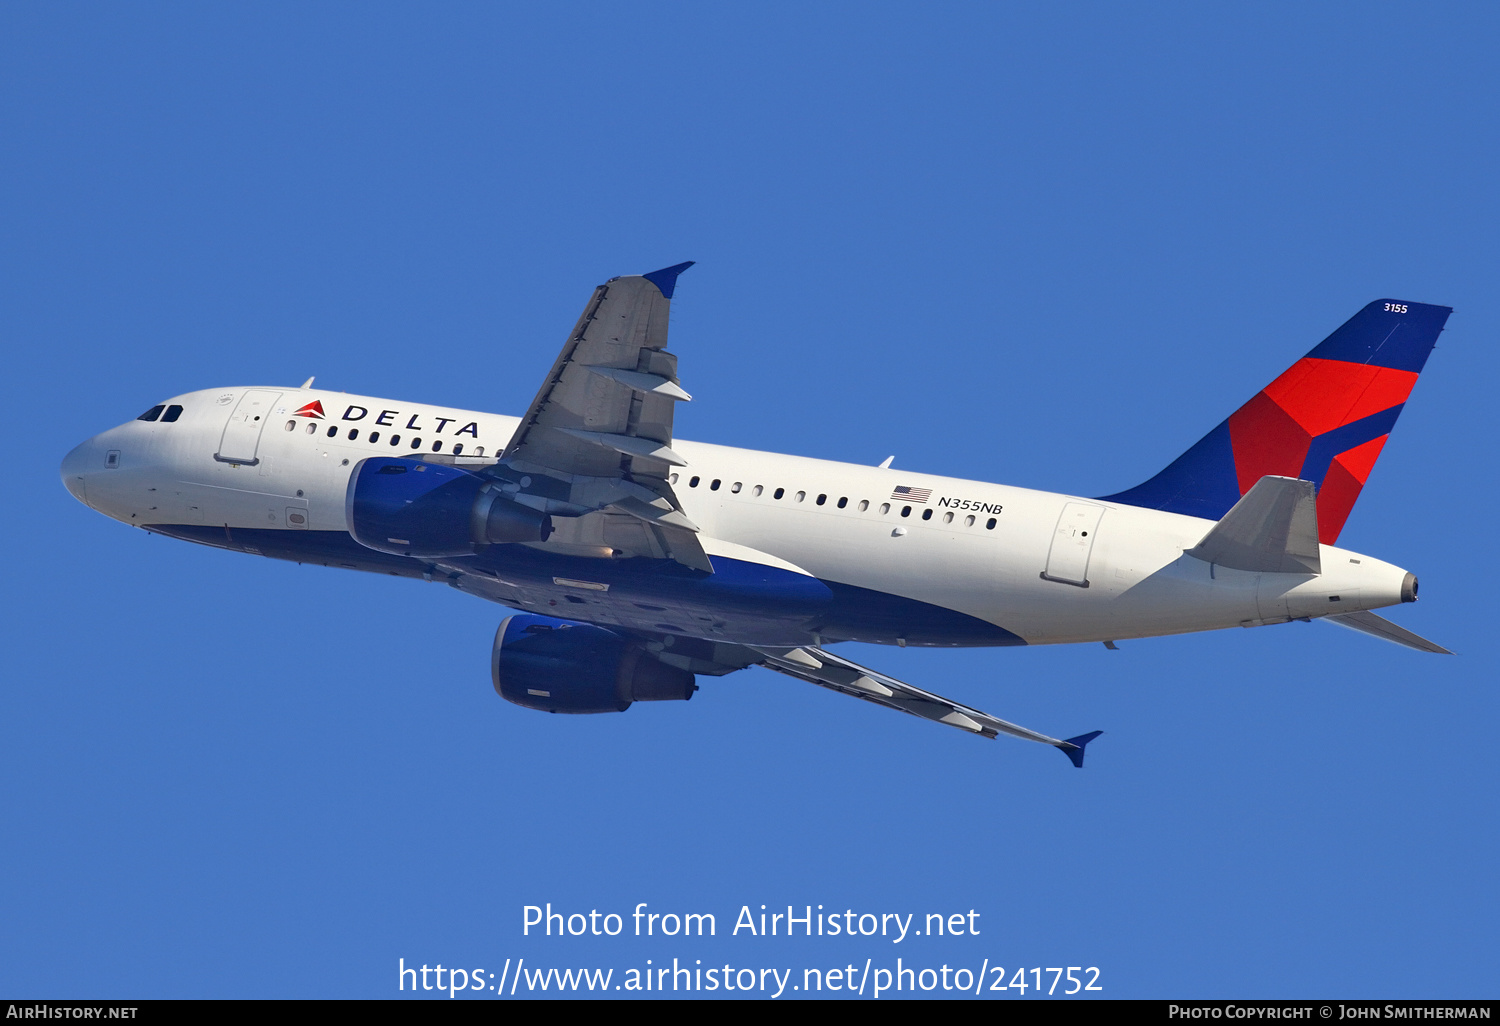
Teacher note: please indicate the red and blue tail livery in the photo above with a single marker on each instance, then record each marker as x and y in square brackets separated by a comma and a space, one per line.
[1324, 420]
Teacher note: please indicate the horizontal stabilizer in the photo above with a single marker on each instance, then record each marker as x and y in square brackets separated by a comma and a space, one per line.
[1073, 747]
[1367, 622]
[1273, 529]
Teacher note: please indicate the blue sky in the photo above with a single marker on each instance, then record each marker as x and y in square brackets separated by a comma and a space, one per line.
[1049, 245]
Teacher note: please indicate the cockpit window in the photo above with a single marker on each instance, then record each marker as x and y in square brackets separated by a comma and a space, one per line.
[155, 412]
[173, 412]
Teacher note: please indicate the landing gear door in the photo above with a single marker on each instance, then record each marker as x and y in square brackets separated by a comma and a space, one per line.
[242, 433]
[1068, 559]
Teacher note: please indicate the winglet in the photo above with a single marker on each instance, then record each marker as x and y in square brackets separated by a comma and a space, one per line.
[1073, 746]
[666, 278]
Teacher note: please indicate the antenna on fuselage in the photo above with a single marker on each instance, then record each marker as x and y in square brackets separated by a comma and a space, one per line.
[308, 382]
[885, 464]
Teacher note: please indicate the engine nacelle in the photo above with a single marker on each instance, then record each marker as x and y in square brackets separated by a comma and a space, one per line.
[412, 508]
[562, 666]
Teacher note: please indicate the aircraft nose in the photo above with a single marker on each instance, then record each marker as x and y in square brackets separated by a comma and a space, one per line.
[75, 468]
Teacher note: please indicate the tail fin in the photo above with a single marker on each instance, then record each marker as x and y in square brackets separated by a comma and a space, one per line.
[1324, 420]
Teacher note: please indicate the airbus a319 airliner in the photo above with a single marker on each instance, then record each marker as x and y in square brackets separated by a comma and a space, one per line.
[641, 561]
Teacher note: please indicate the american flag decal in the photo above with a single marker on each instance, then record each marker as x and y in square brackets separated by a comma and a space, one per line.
[912, 494]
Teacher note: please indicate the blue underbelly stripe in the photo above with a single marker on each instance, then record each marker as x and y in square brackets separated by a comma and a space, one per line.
[742, 600]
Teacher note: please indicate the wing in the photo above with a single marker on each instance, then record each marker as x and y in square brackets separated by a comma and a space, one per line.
[599, 432]
[825, 669]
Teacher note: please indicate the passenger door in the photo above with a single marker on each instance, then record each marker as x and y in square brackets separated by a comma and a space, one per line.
[242, 433]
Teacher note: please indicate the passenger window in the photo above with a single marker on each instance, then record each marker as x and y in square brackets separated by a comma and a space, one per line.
[927, 514]
[906, 511]
[758, 490]
[173, 412]
[735, 488]
[673, 479]
[333, 432]
[152, 413]
[801, 496]
[458, 448]
[843, 501]
[353, 434]
[715, 486]
[822, 499]
[885, 507]
[779, 493]
[969, 520]
[312, 429]
[991, 525]
[395, 439]
[864, 504]
[948, 518]
[416, 443]
[374, 437]
[291, 425]
[437, 446]
[694, 482]
[478, 450]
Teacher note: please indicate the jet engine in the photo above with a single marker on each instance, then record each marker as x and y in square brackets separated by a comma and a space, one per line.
[562, 666]
[411, 508]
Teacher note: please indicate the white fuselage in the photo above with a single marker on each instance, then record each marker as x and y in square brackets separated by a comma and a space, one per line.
[1049, 568]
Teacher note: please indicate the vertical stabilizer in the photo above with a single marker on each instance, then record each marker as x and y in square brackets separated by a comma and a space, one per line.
[1324, 420]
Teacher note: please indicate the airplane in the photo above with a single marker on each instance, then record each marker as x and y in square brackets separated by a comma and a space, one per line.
[638, 562]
